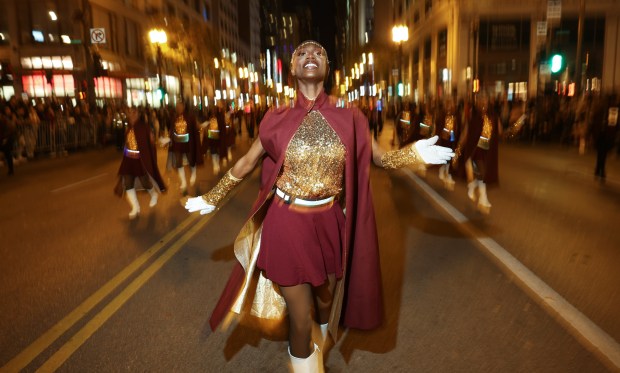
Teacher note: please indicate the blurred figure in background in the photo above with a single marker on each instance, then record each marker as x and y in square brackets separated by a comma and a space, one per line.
[7, 140]
[214, 137]
[448, 128]
[139, 163]
[604, 129]
[184, 148]
[478, 147]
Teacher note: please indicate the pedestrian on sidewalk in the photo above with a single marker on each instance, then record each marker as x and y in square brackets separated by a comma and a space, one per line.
[298, 243]
[604, 129]
[139, 163]
[7, 138]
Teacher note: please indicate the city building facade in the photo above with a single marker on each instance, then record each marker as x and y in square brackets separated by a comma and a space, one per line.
[138, 52]
[502, 48]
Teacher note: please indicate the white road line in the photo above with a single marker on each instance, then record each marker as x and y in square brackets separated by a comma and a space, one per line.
[77, 183]
[585, 331]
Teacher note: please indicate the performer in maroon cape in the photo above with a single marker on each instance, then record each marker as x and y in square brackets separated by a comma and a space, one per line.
[185, 145]
[448, 128]
[139, 162]
[311, 236]
[478, 146]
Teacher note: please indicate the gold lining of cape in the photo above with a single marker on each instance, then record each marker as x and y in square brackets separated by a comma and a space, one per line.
[267, 302]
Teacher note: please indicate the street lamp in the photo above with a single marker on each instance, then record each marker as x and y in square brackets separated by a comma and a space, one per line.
[400, 34]
[159, 37]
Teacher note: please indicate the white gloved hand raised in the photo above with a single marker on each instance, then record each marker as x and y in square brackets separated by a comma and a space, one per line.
[199, 204]
[431, 153]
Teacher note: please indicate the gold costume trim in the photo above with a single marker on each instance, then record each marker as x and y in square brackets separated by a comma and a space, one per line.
[180, 126]
[313, 174]
[132, 143]
[227, 183]
[401, 157]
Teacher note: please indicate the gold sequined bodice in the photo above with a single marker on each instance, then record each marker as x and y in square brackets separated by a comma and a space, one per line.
[130, 141]
[180, 126]
[405, 118]
[314, 161]
[487, 127]
[449, 126]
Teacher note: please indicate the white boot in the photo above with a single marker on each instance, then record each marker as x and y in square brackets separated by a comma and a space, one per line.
[449, 182]
[132, 198]
[324, 331]
[311, 364]
[216, 164]
[183, 186]
[192, 178]
[484, 206]
[154, 197]
[443, 170]
[471, 189]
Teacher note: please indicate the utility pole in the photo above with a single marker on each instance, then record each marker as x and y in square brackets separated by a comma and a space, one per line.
[86, 20]
[577, 79]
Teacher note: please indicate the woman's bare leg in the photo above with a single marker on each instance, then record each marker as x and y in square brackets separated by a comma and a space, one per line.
[299, 302]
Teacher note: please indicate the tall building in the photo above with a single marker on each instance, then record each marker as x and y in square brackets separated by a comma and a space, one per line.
[102, 50]
[502, 47]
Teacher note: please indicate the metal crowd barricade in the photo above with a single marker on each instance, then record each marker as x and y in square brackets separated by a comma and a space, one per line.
[60, 134]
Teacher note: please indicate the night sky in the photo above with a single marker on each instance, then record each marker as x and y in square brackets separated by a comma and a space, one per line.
[323, 22]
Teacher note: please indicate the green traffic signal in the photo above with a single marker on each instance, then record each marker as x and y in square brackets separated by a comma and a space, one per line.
[556, 63]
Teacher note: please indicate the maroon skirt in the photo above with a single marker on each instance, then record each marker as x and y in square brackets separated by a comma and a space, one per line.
[131, 166]
[300, 247]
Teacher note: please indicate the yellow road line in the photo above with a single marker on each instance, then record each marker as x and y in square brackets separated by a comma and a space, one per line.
[56, 360]
[25, 357]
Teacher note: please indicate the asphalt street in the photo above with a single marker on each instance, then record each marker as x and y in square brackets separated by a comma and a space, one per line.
[85, 290]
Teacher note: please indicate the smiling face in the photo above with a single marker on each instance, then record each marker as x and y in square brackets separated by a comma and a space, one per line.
[309, 62]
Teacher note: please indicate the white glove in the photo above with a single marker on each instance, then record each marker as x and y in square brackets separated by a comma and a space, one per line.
[431, 153]
[198, 204]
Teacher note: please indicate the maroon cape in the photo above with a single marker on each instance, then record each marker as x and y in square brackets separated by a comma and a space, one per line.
[361, 306]
[490, 156]
[148, 156]
[195, 156]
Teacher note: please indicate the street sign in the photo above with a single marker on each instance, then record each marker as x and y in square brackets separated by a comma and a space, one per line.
[97, 35]
[541, 28]
[554, 9]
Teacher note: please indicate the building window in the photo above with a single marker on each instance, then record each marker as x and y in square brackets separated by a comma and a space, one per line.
[427, 48]
[428, 7]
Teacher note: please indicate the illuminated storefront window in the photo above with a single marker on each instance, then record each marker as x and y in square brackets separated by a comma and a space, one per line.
[106, 87]
[47, 62]
[62, 85]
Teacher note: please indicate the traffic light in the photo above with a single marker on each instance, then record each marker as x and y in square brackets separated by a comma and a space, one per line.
[556, 62]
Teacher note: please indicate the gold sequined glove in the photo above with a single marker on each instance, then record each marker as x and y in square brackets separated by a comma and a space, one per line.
[207, 203]
[422, 151]
[401, 157]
